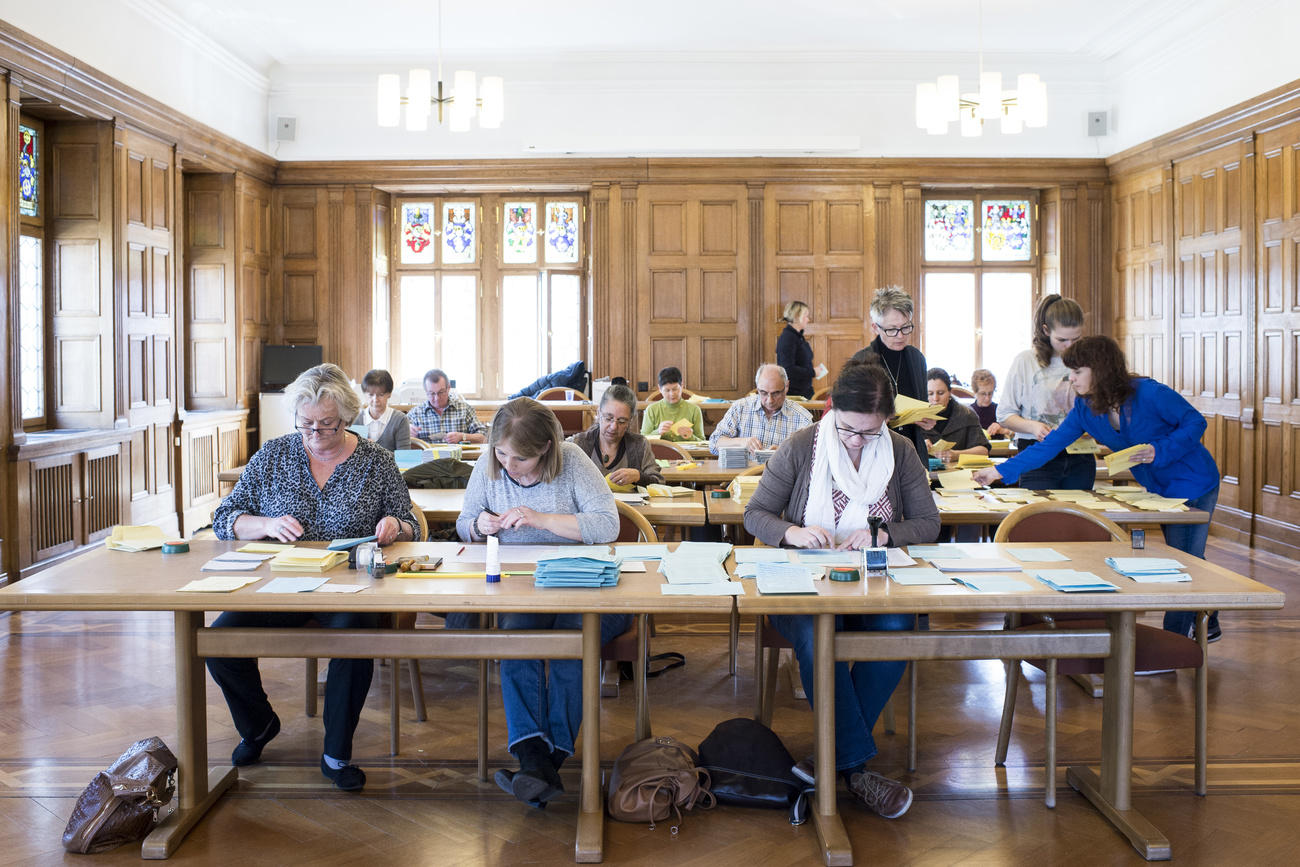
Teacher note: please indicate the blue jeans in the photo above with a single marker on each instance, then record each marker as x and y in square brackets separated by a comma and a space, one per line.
[345, 686]
[1190, 538]
[1064, 472]
[538, 706]
[861, 690]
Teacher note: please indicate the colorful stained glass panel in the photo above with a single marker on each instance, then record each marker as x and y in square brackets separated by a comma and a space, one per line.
[28, 172]
[459, 238]
[561, 232]
[949, 230]
[1006, 236]
[417, 233]
[31, 325]
[520, 233]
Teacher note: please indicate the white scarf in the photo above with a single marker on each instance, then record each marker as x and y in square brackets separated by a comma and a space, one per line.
[832, 469]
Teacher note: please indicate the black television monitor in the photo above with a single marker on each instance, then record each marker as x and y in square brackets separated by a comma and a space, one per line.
[282, 364]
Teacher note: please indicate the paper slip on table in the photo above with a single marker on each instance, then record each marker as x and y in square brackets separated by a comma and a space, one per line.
[103, 580]
[1211, 588]
[443, 505]
[1117, 511]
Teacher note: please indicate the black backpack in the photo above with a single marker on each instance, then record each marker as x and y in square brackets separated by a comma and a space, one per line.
[750, 767]
[439, 473]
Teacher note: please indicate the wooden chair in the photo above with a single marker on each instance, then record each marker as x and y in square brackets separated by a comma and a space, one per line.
[668, 451]
[417, 443]
[822, 393]
[1154, 650]
[657, 395]
[557, 393]
[960, 391]
[633, 645]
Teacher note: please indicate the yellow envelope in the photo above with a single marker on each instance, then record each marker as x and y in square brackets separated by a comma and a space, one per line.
[940, 446]
[135, 539]
[682, 428]
[909, 410]
[1118, 462]
[265, 547]
[956, 480]
[973, 462]
[1084, 445]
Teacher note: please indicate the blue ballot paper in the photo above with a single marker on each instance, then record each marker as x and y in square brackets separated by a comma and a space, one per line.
[586, 571]
[346, 544]
[1073, 581]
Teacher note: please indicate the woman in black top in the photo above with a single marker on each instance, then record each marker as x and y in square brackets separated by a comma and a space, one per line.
[891, 322]
[793, 351]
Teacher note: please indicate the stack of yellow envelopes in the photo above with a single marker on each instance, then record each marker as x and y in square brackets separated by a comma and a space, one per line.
[134, 539]
[909, 410]
[307, 560]
[973, 462]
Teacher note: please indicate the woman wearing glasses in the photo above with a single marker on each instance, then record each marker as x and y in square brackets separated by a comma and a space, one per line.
[532, 488]
[320, 483]
[624, 456]
[818, 491]
[891, 322]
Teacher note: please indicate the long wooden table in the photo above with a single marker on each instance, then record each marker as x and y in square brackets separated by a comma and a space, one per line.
[443, 505]
[704, 472]
[104, 580]
[1211, 588]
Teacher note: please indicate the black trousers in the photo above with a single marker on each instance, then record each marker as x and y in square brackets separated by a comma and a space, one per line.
[345, 687]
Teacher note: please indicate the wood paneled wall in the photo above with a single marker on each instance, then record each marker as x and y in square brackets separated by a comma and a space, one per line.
[1206, 226]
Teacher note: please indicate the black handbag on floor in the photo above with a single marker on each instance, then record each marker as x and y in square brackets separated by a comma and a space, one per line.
[750, 767]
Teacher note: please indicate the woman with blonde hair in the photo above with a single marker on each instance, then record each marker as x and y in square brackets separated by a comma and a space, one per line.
[794, 353]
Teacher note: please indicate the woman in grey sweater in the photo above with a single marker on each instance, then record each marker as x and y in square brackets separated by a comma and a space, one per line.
[818, 491]
[531, 487]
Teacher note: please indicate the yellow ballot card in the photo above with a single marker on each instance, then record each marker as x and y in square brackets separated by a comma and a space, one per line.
[1084, 445]
[956, 480]
[134, 539]
[265, 547]
[973, 462]
[909, 410]
[682, 428]
[1118, 462]
[219, 584]
[940, 446]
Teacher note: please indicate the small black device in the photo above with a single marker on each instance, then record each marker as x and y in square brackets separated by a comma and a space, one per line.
[1139, 539]
[282, 364]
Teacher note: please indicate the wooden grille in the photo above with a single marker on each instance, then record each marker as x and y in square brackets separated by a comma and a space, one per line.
[103, 495]
[52, 505]
[203, 479]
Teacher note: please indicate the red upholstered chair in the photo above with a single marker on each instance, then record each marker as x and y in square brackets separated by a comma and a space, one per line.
[1155, 649]
[668, 451]
[557, 393]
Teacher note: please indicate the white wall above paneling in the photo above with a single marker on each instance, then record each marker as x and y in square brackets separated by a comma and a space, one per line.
[680, 77]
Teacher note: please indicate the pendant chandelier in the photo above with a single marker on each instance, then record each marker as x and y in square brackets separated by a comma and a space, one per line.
[941, 102]
[468, 99]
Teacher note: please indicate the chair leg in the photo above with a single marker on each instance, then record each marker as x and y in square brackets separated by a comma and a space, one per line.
[417, 690]
[911, 717]
[733, 639]
[1049, 702]
[483, 677]
[769, 684]
[640, 683]
[1008, 710]
[609, 678]
[395, 707]
[1202, 702]
[888, 716]
[309, 703]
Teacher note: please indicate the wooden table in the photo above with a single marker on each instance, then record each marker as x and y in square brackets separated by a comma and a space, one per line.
[103, 580]
[443, 505]
[704, 472]
[1211, 588]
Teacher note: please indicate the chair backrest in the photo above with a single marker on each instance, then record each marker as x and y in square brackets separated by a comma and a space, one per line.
[417, 443]
[822, 393]
[668, 451]
[421, 521]
[657, 395]
[962, 392]
[633, 526]
[755, 470]
[1057, 522]
[557, 393]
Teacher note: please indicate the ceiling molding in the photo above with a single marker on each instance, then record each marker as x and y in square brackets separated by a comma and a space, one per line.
[186, 33]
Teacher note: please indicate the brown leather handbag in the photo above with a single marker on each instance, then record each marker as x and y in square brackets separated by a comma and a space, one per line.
[121, 804]
[655, 778]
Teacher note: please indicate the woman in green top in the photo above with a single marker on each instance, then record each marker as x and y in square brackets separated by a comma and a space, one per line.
[660, 416]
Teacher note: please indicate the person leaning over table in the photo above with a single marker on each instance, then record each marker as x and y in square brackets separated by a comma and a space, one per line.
[794, 353]
[1036, 396]
[318, 484]
[623, 456]
[818, 491]
[959, 425]
[531, 488]
[384, 425]
[1120, 410]
[661, 415]
[891, 322]
[763, 420]
[445, 416]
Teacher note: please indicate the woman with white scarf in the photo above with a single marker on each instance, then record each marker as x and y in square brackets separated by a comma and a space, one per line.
[818, 491]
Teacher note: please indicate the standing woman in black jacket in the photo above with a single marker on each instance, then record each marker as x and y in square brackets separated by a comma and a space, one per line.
[793, 351]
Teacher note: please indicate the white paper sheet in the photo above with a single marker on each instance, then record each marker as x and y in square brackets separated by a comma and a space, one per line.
[293, 584]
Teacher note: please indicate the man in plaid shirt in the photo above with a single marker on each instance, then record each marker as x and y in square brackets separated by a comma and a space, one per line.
[763, 420]
[444, 416]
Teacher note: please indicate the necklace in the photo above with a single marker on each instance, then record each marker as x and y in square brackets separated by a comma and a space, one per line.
[893, 377]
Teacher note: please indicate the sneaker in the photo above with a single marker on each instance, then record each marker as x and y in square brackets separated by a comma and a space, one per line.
[349, 778]
[805, 769]
[1212, 632]
[249, 750]
[883, 796]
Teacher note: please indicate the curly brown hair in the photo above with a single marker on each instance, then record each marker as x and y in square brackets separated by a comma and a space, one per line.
[1112, 384]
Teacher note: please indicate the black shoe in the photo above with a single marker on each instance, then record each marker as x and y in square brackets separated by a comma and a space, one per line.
[537, 778]
[505, 781]
[557, 758]
[249, 750]
[349, 778]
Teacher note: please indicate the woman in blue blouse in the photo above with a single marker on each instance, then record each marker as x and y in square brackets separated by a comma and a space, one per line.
[1121, 410]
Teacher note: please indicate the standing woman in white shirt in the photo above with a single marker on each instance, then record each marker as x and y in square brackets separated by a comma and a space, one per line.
[384, 425]
[1036, 396]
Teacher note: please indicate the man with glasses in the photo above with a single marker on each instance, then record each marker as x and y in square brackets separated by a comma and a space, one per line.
[891, 323]
[445, 417]
[763, 420]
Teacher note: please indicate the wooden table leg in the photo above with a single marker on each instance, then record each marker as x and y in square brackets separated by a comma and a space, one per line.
[198, 789]
[1111, 792]
[830, 829]
[590, 844]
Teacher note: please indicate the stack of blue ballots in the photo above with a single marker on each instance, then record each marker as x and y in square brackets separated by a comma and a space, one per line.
[1073, 581]
[577, 571]
[1149, 570]
[696, 563]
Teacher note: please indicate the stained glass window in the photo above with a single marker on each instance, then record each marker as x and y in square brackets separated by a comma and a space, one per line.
[561, 232]
[1005, 232]
[417, 233]
[949, 230]
[28, 172]
[459, 241]
[520, 233]
[31, 323]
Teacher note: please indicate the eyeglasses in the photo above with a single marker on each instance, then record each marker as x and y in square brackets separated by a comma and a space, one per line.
[864, 436]
[767, 394]
[894, 332]
[609, 419]
[320, 427]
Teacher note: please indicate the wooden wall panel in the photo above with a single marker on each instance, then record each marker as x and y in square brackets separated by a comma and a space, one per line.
[299, 309]
[252, 289]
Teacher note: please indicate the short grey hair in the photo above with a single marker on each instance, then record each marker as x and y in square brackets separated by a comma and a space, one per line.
[324, 382]
[623, 395]
[785, 377]
[890, 298]
[436, 375]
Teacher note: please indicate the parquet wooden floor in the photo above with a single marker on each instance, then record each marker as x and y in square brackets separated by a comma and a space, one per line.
[75, 689]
